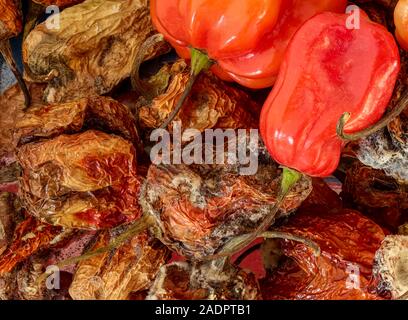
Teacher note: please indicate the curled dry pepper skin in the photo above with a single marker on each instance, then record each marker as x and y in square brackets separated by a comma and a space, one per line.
[377, 195]
[10, 19]
[211, 104]
[247, 38]
[76, 177]
[85, 180]
[93, 112]
[198, 208]
[185, 281]
[92, 50]
[114, 275]
[390, 267]
[6, 220]
[58, 3]
[343, 70]
[30, 236]
[348, 241]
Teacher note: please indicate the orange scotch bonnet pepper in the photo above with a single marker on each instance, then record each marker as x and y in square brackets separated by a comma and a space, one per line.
[245, 38]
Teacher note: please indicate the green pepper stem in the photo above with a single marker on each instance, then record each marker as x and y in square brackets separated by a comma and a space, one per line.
[134, 229]
[391, 115]
[288, 236]
[289, 178]
[279, 235]
[199, 62]
[5, 50]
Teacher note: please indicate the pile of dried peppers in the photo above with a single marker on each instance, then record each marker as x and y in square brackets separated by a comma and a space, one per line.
[314, 95]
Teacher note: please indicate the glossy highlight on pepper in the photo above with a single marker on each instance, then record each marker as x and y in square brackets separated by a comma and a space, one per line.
[340, 70]
[247, 39]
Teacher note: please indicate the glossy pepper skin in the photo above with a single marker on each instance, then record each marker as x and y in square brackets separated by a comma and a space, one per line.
[401, 23]
[328, 70]
[247, 38]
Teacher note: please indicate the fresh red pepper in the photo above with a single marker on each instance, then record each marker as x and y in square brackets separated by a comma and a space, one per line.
[401, 23]
[329, 69]
[246, 38]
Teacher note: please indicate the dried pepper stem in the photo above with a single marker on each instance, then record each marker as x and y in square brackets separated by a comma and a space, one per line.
[136, 228]
[279, 235]
[289, 179]
[395, 112]
[5, 50]
[199, 62]
[153, 45]
[284, 235]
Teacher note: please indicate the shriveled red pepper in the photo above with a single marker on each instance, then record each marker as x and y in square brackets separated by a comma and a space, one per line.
[401, 23]
[330, 71]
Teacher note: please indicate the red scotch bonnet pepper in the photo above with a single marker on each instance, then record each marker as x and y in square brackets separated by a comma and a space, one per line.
[330, 72]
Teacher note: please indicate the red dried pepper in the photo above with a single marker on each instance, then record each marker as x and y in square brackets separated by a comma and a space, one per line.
[348, 242]
[329, 70]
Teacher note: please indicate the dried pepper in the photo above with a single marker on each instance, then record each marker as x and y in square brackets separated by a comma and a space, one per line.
[91, 51]
[184, 281]
[7, 222]
[211, 103]
[114, 275]
[390, 267]
[30, 236]
[85, 180]
[11, 26]
[348, 242]
[199, 208]
[377, 195]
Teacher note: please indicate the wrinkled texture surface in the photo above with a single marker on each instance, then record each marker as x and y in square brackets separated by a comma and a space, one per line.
[11, 107]
[114, 275]
[198, 208]
[30, 236]
[59, 3]
[183, 281]
[348, 241]
[92, 51]
[7, 220]
[211, 104]
[343, 70]
[391, 266]
[377, 195]
[93, 112]
[10, 19]
[85, 180]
